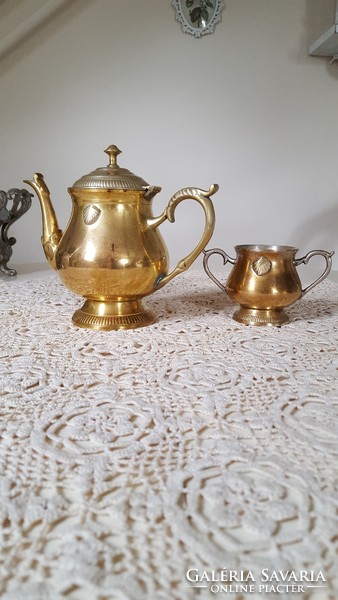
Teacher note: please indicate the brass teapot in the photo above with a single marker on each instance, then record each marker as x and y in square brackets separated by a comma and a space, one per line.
[111, 251]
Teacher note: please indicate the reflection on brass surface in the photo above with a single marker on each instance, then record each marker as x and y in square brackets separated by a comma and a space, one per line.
[264, 280]
[111, 251]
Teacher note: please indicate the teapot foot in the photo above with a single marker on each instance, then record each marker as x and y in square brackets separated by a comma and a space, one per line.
[261, 317]
[113, 315]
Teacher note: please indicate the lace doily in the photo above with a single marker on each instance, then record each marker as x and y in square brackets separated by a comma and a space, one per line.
[129, 459]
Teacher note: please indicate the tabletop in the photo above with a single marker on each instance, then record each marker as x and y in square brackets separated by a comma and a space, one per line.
[192, 458]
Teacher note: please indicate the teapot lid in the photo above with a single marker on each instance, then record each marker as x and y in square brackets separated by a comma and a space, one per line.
[112, 176]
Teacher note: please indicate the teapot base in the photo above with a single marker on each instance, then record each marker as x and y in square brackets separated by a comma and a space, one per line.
[113, 315]
[261, 317]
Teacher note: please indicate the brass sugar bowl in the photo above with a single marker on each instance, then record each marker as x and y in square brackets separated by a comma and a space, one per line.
[264, 281]
[111, 251]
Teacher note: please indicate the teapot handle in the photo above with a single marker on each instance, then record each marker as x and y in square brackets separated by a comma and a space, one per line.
[203, 197]
[226, 258]
[328, 264]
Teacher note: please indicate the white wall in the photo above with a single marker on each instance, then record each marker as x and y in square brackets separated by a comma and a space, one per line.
[245, 107]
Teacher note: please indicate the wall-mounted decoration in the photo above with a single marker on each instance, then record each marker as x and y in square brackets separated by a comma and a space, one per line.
[198, 17]
[13, 204]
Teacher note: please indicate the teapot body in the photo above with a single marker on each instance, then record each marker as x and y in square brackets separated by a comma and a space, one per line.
[107, 251]
[111, 252]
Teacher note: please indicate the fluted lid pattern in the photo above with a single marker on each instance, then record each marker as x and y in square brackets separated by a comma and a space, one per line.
[112, 176]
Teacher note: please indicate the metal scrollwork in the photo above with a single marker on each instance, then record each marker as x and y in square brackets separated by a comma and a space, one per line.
[13, 204]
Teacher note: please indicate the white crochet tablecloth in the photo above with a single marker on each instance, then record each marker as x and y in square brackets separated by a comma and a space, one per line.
[150, 464]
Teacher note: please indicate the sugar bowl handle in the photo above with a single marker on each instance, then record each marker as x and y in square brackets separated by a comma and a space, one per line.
[226, 258]
[203, 198]
[328, 264]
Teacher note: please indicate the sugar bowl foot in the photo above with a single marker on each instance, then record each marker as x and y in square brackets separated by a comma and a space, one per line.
[261, 317]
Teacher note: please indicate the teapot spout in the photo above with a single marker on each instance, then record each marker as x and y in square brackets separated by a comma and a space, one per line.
[51, 234]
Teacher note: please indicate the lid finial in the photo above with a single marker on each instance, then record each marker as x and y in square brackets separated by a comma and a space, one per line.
[113, 152]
